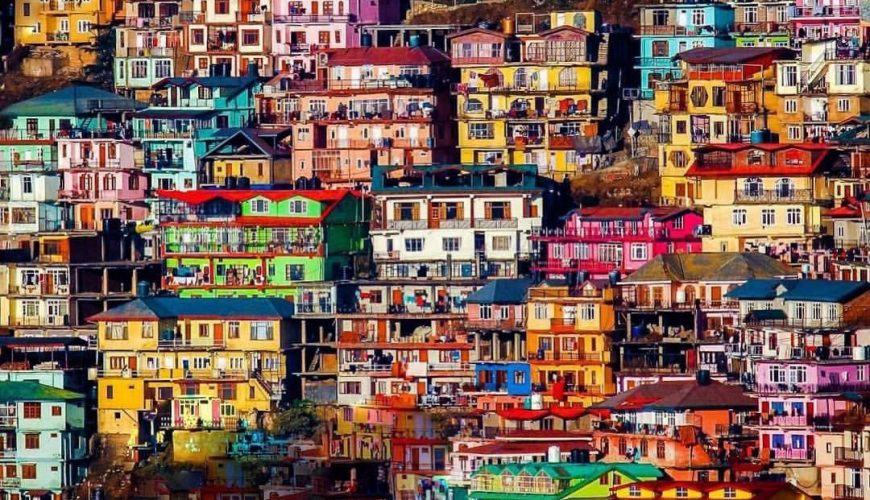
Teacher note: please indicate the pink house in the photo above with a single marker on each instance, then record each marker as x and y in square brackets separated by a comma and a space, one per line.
[598, 240]
[101, 180]
[822, 19]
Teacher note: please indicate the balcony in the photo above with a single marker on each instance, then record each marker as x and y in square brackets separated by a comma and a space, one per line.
[8, 454]
[565, 356]
[760, 27]
[311, 18]
[844, 492]
[252, 246]
[657, 62]
[407, 224]
[563, 266]
[495, 324]
[10, 482]
[787, 421]
[165, 134]
[674, 30]
[848, 457]
[314, 308]
[825, 11]
[774, 196]
[601, 234]
[791, 454]
[188, 344]
[194, 422]
[496, 223]
[152, 22]
[146, 52]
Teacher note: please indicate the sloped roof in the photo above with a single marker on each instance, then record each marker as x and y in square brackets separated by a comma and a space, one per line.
[502, 291]
[800, 290]
[628, 213]
[732, 55]
[34, 391]
[358, 56]
[250, 135]
[74, 100]
[726, 266]
[154, 308]
[566, 470]
[681, 395]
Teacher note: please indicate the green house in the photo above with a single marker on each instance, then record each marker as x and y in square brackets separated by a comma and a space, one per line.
[259, 243]
[555, 480]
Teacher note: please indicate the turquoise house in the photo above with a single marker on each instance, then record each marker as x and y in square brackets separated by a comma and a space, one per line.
[185, 120]
[29, 179]
[667, 29]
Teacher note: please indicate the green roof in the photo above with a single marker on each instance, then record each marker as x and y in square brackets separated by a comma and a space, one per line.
[74, 100]
[34, 391]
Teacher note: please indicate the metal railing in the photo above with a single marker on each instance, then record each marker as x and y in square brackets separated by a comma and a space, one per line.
[847, 456]
[209, 343]
[845, 492]
[496, 223]
[311, 18]
[774, 196]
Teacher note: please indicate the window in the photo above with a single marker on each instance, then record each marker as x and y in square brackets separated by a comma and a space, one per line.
[541, 311]
[587, 312]
[116, 331]
[28, 471]
[147, 330]
[793, 217]
[497, 210]
[485, 311]
[260, 206]
[234, 329]
[501, 243]
[568, 77]
[480, 131]
[794, 133]
[27, 184]
[227, 391]
[162, 69]
[719, 96]
[32, 410]
[197, 36]
[222, 7]
[25, 9]
[844, 105]
[295, 272]
[788, 76]
[816, 311]
[738, 216]
[298, 207]
[681, 126]
[56, 411]
[750, 15]
[261, 330]
[833, 312]
[682, 492]
[660, 449]
[250, 37]
[768, 217]
[634, 490]
[31, 441]
[790, 105]
[698, 17]
[473, 106]
[639, 252]
[451, 244]
[799, 310]
[139, 69]
[350, 388]
[660, 48]
[84, 26]
[845, 74]
[413, 244]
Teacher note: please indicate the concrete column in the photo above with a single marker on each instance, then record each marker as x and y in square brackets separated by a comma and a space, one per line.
[477, 345]
[303, 332]
[105, 281]
[134, 281]
[496, 347]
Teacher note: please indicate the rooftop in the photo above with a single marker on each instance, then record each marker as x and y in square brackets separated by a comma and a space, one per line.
[681, 395]
[735, 55]
[459, 177]
[155, 308]
[34, 391]
[562, 470]
[358, 56]
[199, 196]
[74, 100]
[800, 290]
[502, 291]
[726, 266]
[628, 213]
[757, 489]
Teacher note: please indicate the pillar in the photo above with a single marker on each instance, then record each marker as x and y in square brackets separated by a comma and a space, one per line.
[105, 280]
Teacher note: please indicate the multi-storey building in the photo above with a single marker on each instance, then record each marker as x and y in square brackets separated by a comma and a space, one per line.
[680, 426]
[668, 29]
[367, 106]
[60, 22]
[596, 241]
[44, 446]
[101, 181]
[761, 23]
[149, 44]
[760, 196]
[724, 95]
[671, 490]
[29, 180]
[302, 29]
[228, 38]
[203, 363]
[823, 89]
[259, 243]
[188, 117]
[809, 20]
[536, 98]
[568, 341]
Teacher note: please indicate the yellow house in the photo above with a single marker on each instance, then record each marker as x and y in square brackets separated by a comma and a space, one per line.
[532, 97]
[673, 490]
[725, 94]
[192, 363]
[568, 341]
[762, 196]
[60, 22]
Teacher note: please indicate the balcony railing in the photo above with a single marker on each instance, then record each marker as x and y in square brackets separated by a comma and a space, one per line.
[8, 454]
[496, 223]
[674, 30]
[495, 324]
[406, 224]
[791, 454]
[760, 27]
[844, 492]
[825, 11]
[311, 18]
[774, 196]
[847, 456]
[146, 52]
[657, 62]
[787, 420]
[597, 233]
[191, 344]
[565, 356]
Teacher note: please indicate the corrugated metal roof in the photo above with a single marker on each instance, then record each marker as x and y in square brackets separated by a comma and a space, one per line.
[681, 395]
[502, 291]
[34, 391]
[727, 267]
[153, 308]
[800, 290]
[74, 100]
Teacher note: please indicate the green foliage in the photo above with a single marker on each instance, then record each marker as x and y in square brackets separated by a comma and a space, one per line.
[300, 420]
[102, 71]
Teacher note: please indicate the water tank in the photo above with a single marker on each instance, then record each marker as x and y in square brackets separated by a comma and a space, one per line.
[230, 182]
[681, 296]
[366, 40]
[759, 136]
[143, 289]
[860, 353]
[554, 454]
[637, 331]
[703, 377]
[507, 26]
[579, 456]
[414, 40]
[614, 276]
[244, 183]
[537, 402]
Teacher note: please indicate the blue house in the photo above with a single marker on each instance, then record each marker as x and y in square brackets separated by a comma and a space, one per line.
[511, 377]
[668, 29]
[186, 119]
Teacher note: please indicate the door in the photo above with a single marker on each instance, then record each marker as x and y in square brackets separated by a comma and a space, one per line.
[414, 136]
[219, 334]
[479, 242]
[187, 333]
[314, 8]
[86, 216]
[765, 441]
[810, 410]
[102, 155]
[415, 458]
[715, 295]
[342, 137]
[131, 363]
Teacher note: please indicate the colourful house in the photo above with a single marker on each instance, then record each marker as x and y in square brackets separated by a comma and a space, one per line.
[596, 241]
[186, 118]
[202, 363]
[567, 341]
[761, 23]
[668, 29]
[497, 318]
[537, 97]
[60, 22]
[810, 21]
[555, 480]
[258, 243]
[744, 490]
[228, 38]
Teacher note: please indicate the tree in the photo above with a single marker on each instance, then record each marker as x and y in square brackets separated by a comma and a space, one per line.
[300, 420]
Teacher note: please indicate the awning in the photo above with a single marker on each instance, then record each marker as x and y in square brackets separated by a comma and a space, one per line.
[522, 414]
[568, 412]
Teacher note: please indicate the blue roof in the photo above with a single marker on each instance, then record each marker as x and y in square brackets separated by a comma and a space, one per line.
[800, 289]
[502, 291]
[73, 100]
[154, 308]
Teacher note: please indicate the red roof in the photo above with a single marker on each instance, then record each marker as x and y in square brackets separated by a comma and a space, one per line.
[845, 212]
[198, 196]
[522, 414]
[526, 447]
[358, 56]
[757, 170]
[568, 412]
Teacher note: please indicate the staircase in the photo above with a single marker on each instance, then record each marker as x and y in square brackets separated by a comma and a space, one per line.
[315, 361]
[814, 73]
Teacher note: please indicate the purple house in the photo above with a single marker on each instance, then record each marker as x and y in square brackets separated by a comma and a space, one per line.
[598, 240]
[796, 396]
